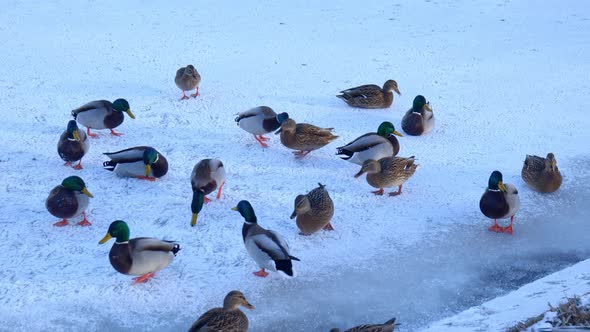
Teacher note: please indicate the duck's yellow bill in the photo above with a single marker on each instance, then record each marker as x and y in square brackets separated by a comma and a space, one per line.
[397, 133]
[86, 192]
[130, 113]
[427, 107]
[105, 238]
[235, 208]
[148, 170]
[76, 135]
[502, 186]
[194, 219]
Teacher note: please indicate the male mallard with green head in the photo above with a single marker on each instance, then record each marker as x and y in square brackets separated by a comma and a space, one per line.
[304, 137]
[419, 119]
[370, 95]
[142, 256]
[374, 146]
[102, 114]
[142, 162]
[541, 174]
[388, 172]
[314, 211]
[385, 327]
[68, 200]
[499, 201]
[187, 79]
[227, 319]
[208, 175]
[268, 249]
[259, 121]
[73, 144]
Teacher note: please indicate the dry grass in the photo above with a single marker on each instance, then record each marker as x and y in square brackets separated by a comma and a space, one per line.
[572, 313]
[521, 326]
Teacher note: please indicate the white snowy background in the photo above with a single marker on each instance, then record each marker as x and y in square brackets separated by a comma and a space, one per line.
[505, 79]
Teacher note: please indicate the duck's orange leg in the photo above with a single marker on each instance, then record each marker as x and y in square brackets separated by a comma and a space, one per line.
[194, 95]
[90, 134]
[62, 223]
[301, 154]
[395, 193]
[79, 166]
[147, 178]
[495, 227]
[143, 278]
[220, 189]
[378, 192]
[264, 145]
[508, 229]
[114, 133]
[84, 221]
[329, 227]
[261, 273]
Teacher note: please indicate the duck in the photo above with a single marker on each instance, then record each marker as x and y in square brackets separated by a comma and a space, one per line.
[259, 121]
[541, 174]
[388, 172]
[419, 119]
[141, 256]
[268, 248]
[102, 114]
[68, 200]
[314, 211]
[499, 201]
[142, 162]
[208, 175]
[370, 95]
[229, 318]
[187, 79]
[73, 145]
[304, 137]
[385, 327]
[375, 146]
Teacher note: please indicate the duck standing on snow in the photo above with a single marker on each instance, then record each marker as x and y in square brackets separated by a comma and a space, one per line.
[187, 79]
[388, 172]
[499, 201]
[268, 249]
[227, 319]
[207, 176]
[68, 200]
[259, 121]
[73, 144]
[142, 162]
[142, 256]
[419, 119]
[314, 211]
[102, 114]
[370, 95]
[385, 327]
[372, 145]
[541, 174]
[304, 137]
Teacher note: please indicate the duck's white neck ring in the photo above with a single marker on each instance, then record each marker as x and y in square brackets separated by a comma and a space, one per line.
[248, 223]
[494, 190]
[125, 242]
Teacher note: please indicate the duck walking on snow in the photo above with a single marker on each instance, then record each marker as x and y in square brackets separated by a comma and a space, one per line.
[374, 146]
[259, 121]
[388, 172]
[142, 162]
[68, 200]
[541, 174]
[142, 256]
[268, 249]
[304, 137]
[73, 144]
[229, 318]
[385, 327]
[370, 95]
[187, 79]
[102, 114]
[314, 211]
[499, 201]
[208, 175]
[419, 119]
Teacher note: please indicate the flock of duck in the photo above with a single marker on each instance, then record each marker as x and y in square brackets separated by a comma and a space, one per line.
[375, 152]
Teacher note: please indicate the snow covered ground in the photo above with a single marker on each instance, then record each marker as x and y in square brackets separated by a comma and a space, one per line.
[504, 78]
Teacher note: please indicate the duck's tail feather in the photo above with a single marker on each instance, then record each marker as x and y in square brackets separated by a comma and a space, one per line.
[109, 165]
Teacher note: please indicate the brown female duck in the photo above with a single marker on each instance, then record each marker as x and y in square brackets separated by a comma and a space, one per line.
[187, 79]
[227, 319]
[370, 95]
[541, 174]
[314, 211]
[388, 172]
[304, 137]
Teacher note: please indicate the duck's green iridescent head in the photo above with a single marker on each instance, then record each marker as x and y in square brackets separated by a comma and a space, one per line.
[150, 156]
[495, 182]
[122, 105]
[197, 205]
[75, 183]
[420, 103]
[72, 131]
[386, 129]
[282, 117]
[246, 210]
[118, 230]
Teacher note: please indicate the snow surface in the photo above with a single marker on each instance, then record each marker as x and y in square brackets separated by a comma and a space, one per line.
[505, 79]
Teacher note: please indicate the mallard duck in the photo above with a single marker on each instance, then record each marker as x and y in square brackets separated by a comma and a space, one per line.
[419, 119]
[388, 172]
[304, 137]
[227, 319]
[187, 79]
[385, 327]
[370, 95]
[207, 175]
[499, 201]
[541, 174]
[268, 249]
[143, 162]
[102, 114]
[73, 144]
[372, 145]
[141, 256]
[314, 211]
[68, 200]
[259, 121]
